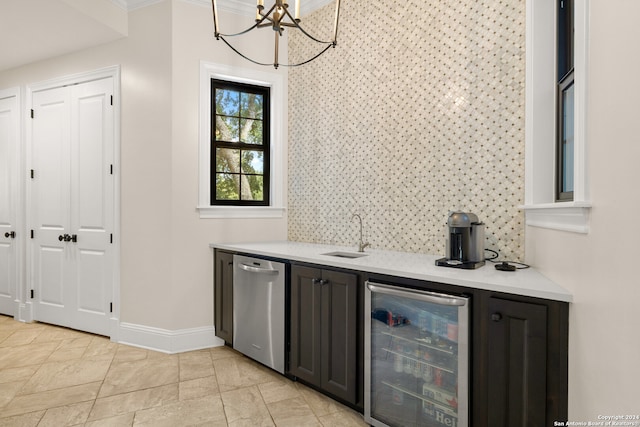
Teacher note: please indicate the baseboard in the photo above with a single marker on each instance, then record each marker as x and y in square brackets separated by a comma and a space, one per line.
[148, 337]
[167, 341]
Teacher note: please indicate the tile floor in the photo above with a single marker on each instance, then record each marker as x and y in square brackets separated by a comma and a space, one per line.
[52, 376]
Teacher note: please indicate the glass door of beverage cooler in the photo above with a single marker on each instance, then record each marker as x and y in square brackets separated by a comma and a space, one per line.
[416, 357]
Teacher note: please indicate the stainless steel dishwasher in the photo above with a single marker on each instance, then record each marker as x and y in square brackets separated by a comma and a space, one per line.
[258, 310]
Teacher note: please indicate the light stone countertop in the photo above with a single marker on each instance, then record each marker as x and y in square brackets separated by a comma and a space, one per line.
[526, 282]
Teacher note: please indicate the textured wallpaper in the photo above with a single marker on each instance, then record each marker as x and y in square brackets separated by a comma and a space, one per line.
[418, 111]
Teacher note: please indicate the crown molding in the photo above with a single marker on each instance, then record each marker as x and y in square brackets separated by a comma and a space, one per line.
[136, 4]
[240, 7]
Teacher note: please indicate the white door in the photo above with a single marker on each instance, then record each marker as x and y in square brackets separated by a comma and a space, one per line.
[9, 122]
[92, 203]
[72, 205]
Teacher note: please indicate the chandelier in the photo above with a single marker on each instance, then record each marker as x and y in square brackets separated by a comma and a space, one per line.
[277, 17]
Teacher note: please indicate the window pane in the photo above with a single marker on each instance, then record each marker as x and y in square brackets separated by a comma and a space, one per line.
[227, 129]
[565, 37]
[251, 131]
[256, 188]
[252, 162]
[227, 186]
[251, 105]
[239, 122]
[567, 139]
[227, 102]
[227, 160]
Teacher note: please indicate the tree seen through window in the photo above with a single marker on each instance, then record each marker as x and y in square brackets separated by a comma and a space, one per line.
[240, 144]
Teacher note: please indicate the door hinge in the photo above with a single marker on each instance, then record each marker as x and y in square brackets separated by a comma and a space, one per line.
[32, 113]
[110, 307]
[32, 234]
[33, 173]
[32, 294]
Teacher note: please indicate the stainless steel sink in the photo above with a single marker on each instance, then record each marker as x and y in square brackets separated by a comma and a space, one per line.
[351, 255]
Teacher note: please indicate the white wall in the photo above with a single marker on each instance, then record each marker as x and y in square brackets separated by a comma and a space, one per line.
[191, 258]
[600, 268]
[166, 264]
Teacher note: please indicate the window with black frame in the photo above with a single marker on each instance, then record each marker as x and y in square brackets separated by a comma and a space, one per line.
[565, 99]
[239, 144]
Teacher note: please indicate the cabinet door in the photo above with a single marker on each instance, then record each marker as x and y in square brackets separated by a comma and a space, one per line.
[517, 364]
[223, 296]
[339, 328]
[306, 321]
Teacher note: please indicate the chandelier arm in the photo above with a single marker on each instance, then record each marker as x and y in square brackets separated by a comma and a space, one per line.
[256, 25]
[244, 56]
[297, 25]
[308, 60]
[278, 65]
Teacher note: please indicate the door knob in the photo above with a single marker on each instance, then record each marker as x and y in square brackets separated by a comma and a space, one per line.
[11, 234]
[496, 317]
[68, 238]
[61, 237]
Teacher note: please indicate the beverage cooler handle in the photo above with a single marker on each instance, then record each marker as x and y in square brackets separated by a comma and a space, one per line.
[426, 296]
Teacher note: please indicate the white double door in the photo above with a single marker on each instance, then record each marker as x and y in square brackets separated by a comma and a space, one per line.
[71, 205]
[9, 126]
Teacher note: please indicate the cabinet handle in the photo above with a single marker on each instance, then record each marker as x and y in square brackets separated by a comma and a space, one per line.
[324, 282]
[315, 281]
[11, 234]
[496, 317]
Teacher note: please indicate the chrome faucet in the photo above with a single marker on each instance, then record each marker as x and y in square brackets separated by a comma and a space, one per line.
[361, 245]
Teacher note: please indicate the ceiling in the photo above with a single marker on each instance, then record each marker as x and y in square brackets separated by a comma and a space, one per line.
[35, 30]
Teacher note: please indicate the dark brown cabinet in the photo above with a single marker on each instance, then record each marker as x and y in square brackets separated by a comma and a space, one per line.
[518, 342]
[323, 333]
[223, 295]
[518, 345]
[521, 360]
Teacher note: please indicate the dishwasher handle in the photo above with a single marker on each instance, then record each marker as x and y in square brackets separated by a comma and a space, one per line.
[426, 296]
[253, 269]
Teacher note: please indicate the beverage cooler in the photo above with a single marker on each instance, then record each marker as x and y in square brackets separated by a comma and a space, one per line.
[416, 357]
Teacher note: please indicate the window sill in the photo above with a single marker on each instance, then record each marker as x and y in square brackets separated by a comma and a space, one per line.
[564, 216]
[240, 212]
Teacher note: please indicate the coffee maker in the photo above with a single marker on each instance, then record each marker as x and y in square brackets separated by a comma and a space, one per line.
[465, 241]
